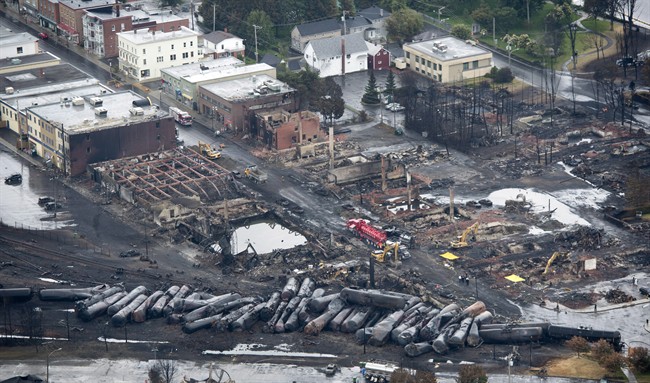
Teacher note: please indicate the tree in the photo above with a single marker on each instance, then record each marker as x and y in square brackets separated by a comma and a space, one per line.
[595, 8]
[503, 75]
[601, 350]
[578, 345]
[506, 17]
[390, 86]
[461, 31]
[371, 96]
[613, 361]
[307, 84]
[471, 373]
[404, 24]
[167, 368]
[639, 359]
[483, 15]
[405, 376]
[265, 34]
[348, 6]
[169, 3]
[331, 104]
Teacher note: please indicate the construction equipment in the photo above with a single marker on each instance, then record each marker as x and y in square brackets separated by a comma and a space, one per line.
[550, 261]
[462, 241]
[207, 151]
[255, 174]
[370, 234]
[380, 255]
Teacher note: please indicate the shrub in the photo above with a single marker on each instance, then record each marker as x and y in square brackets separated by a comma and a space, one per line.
[639, 359]
[601, 349]
[613, 361]
[504, 75]
[461, 31]
[471, 373]
[577, 344]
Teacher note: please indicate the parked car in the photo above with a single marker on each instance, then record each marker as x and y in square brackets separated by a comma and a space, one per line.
[14, 179]
[49, 206]
[396, 108]
[629, 62]
[129, 253]
[236, 174]
[43, 35]
[44, 200]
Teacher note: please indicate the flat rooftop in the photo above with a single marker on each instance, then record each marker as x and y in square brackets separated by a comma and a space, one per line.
[202, 67]
[248, 88]
[16, 38]
[138, 16]
[456, 48]
[228, 72]
[83, 4]
[80, 119]
[40, 77]
[29, 59]
[54, 94]
[146, 37]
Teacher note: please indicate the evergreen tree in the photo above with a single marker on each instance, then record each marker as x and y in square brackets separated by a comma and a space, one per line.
[371, 96]
[390, 86]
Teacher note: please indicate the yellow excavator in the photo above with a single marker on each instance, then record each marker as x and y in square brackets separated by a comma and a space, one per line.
[550, 261]
[207, 151]
[380, 255]
[462, 241]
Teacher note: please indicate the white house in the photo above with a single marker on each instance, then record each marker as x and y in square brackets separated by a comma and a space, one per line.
[335, 56]
[15, 45]
[223, 44]
[142, 53]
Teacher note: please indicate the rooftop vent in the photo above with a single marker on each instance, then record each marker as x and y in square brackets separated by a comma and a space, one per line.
[101, 112]
[15, 61]
[77, 101]
[96, 101]
[137, 111]
[9, 90]
[439, 47]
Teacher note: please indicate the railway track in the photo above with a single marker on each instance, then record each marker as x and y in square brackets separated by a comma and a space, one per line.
[32, 256]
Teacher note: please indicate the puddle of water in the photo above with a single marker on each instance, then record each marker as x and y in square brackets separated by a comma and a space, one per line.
[19, 203]
[266, 237]
[542, 202]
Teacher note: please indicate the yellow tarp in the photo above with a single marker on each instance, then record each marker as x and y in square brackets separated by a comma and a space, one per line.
[449, 256]
[514, 278]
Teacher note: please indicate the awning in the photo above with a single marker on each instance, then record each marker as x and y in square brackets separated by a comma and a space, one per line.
[514, 278]
[449, 256]
[67, 29]
[187, 96]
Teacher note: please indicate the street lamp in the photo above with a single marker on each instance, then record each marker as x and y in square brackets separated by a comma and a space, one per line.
[47, 365]
[573, 31]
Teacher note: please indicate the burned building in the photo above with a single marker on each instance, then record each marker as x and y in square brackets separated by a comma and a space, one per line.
[234, 103]
[282, 130]
[75, 132]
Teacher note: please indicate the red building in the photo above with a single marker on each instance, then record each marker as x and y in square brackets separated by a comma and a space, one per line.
[48, 11]
[283, 130]
[71, 12]
[378, 57]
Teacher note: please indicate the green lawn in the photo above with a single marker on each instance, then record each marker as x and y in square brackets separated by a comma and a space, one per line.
[601, 26]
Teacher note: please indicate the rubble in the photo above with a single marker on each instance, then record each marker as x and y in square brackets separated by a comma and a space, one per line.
[618, 296]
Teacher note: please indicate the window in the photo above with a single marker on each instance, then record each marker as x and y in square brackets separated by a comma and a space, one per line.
[348, 55]
[172, 57]
[19, 50]
[474, 64]
[417, 59]
[159, 59]
[435, 66]
[186, 55]
[192, 54]
[191, 43]
[87, 149]
[145, 73]
[112, 28]
[408, 55]
[184, 45]
[172, 46]
[121, 27]
[428, 63]
[144, 51]
[465, 66]
[159, 48]
[144, 61]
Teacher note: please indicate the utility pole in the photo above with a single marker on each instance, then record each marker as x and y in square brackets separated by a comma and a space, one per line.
[255, 28]
[192, 13]
[214, 17]
[494, 29]
[345, 29]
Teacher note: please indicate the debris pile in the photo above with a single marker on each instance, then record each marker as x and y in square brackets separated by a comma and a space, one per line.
[618, 296]
[583, 238]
